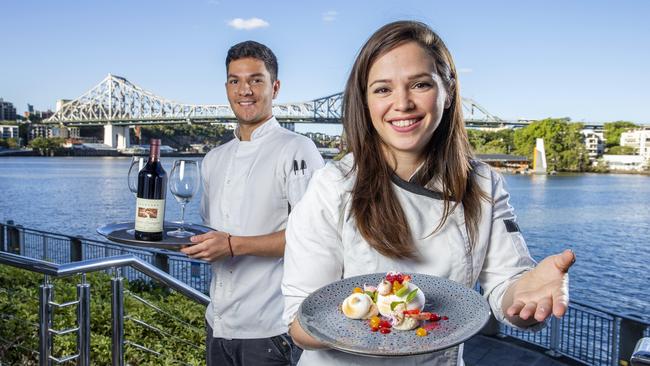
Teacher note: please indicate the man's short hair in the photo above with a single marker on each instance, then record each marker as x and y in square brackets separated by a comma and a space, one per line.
[257, 51]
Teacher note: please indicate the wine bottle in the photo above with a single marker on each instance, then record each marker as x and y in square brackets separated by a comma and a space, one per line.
[150, 205]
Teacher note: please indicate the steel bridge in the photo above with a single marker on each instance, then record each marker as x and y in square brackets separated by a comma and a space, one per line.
[117, 101]
[117, 104]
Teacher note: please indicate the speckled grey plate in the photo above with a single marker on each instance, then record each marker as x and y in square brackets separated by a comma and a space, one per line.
[321, 317]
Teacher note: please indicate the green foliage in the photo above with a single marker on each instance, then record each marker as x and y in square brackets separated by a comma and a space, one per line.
[613, 131]
[9, 143]
[491, 142]
[46, 146]
[565, 149]
[175, 339]
[180, 136]
[621, 150]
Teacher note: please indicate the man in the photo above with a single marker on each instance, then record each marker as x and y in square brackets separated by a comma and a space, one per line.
[250, 185]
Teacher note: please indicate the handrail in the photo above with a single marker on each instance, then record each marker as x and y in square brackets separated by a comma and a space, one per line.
[93, 265]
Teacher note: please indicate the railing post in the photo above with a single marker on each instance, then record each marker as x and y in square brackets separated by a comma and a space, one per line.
[83, 322]
[631, 331]
[161, 261]
[555, 338]
[615, 330]
[76, 250]
[15, 244]
[3, 245]
[45, 323]
[117, 316]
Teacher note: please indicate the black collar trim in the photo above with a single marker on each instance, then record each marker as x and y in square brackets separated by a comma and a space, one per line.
[415, 188]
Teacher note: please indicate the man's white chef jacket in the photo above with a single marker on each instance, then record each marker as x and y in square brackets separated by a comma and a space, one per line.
[248, 187]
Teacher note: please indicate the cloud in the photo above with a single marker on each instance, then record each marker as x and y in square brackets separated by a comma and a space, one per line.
[248, 24]
[330, 16]
[464, 70]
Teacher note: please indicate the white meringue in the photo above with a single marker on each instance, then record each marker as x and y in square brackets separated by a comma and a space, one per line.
[384, 301]
[359, 306]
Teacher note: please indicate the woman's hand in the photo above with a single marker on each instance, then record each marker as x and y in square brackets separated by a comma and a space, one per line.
[541, 292]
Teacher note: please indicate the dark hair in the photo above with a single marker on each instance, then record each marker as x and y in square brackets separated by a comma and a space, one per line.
[448, 157]
[257, 51]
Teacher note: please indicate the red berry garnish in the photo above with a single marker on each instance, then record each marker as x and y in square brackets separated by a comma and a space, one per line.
[400, 278]
[390, 278]
[384, 330]
[434, 317]
[384, 324]
[374, 329]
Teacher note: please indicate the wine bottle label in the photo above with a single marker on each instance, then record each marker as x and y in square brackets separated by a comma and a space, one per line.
[149, 215]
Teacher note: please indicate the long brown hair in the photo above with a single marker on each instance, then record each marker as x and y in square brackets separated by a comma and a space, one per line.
[375, 207]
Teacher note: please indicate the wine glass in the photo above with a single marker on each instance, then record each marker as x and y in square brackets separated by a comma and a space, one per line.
[137, 163]
[184, 182]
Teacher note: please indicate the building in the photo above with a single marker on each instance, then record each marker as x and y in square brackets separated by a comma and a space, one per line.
[628, 163]
[8, 132]
[594, 143]
[39, 130]
[639, 140]
[7, 111]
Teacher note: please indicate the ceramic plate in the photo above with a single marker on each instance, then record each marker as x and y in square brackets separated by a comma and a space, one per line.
[117, 232]
[321, 317]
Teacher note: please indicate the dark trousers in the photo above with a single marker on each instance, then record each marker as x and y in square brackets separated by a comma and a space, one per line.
[273, 351]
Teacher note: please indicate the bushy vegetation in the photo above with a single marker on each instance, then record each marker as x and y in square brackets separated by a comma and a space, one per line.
[47, 146]
[178, 340]
[9, 143]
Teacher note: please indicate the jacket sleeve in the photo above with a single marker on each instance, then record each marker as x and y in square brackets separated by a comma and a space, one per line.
[313, 253]
[507, 257]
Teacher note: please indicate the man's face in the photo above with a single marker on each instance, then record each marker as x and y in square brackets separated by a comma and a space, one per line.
[251, 91]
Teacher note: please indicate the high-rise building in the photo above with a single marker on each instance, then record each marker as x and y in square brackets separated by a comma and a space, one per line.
[7, 111]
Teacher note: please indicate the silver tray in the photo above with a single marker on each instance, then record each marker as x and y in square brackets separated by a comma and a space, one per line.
[321, 317]
[117, 232]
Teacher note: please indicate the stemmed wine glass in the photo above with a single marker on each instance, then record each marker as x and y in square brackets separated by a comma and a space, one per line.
[184, 182]
[137, 163]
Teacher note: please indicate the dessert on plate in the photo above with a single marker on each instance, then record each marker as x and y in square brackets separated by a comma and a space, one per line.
[399, 302]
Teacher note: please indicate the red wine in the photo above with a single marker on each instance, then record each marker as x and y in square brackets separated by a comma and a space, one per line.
[150, 206]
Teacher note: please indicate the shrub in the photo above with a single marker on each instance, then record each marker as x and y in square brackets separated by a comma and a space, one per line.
[177, 333]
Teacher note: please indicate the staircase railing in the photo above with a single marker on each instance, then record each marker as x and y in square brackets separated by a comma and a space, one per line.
[46, 305]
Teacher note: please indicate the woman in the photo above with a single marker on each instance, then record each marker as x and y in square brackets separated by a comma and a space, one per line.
[409, 197]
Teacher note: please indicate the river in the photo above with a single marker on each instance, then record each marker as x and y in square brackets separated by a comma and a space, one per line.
[605, 219]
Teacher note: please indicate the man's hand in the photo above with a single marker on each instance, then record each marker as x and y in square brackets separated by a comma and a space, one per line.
[209, 246]
[542, 292]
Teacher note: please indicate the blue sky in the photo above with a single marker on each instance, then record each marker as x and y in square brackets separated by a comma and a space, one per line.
[587, 60]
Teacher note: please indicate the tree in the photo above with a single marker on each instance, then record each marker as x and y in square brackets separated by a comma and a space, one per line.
[9, 143]
[491, 142]
[621, 150]
[613, 131]
[565, 149]
[46, 146]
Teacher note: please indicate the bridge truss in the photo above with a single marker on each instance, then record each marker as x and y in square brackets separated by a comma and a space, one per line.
[117, 101]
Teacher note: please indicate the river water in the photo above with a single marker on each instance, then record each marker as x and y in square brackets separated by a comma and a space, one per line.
[605, 219]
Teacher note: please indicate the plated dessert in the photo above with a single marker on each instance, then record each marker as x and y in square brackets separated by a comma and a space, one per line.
[395, 303]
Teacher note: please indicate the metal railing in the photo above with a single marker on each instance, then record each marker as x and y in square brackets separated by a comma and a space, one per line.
[586, 334]
[82, 329]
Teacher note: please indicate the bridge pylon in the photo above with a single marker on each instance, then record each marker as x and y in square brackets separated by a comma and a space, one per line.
[117, 136]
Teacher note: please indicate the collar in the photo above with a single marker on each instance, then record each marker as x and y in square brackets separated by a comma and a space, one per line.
[261, 130]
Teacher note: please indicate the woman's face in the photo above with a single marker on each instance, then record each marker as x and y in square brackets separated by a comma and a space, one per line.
[406, 99]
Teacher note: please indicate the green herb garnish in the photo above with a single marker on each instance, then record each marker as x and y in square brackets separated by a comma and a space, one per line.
[411, 295]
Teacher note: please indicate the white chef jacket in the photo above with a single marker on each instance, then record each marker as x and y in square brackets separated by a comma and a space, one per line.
[324, 246]
[248, 187]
